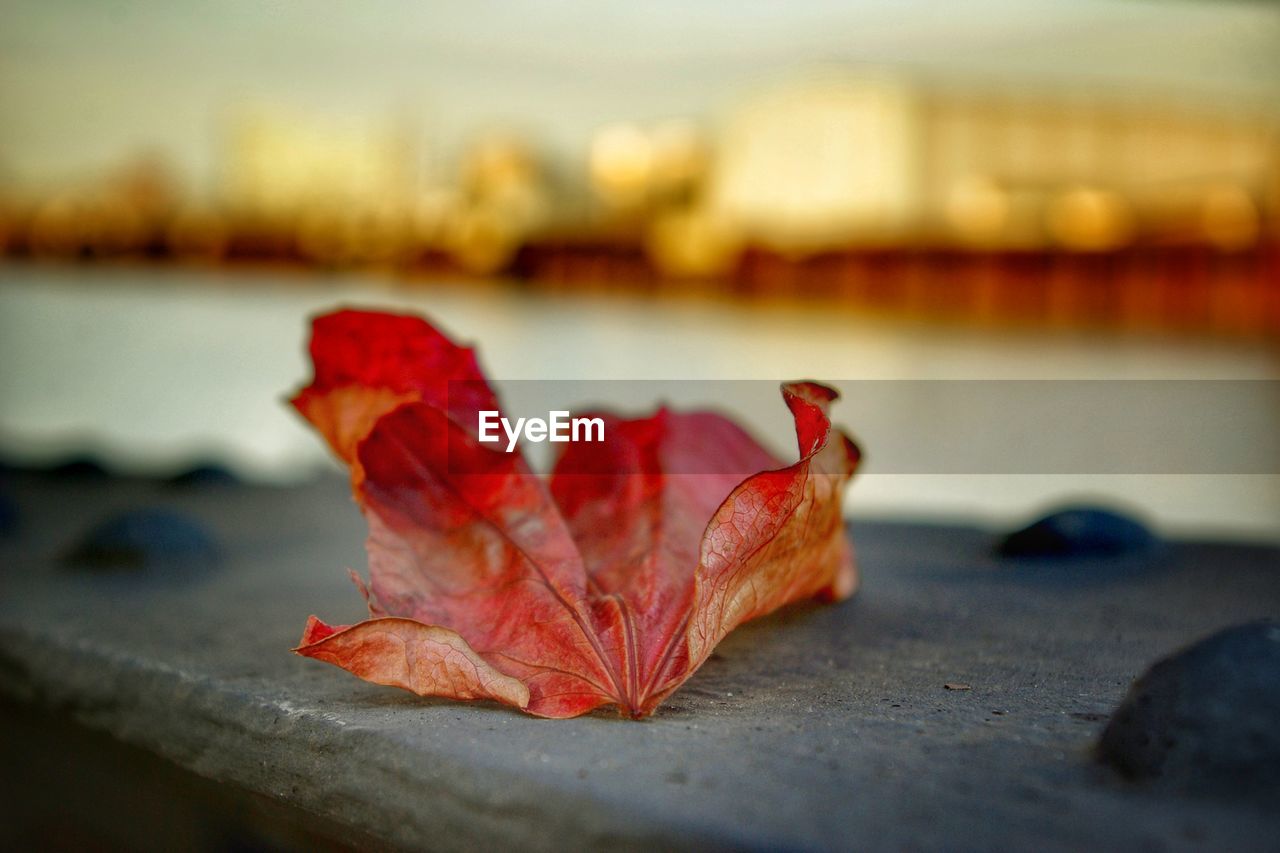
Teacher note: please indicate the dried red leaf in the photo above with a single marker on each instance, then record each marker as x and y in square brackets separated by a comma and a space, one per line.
[607, 584]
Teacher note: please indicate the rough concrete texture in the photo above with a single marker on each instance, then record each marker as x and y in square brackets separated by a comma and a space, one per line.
[821, 727]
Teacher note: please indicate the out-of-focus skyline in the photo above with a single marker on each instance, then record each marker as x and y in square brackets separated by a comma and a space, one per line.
[81, 82]
[1042, 189]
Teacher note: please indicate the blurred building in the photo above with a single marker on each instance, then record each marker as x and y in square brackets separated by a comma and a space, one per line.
[831, 164]
[823, 164]
[334, 192]
[279, 165]
[1061, 205]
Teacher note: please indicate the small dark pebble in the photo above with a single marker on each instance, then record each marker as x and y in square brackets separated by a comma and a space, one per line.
[144, 538]
[8, 514]
[78, 468]
[1078, 532]
[204, 475]
[1207, 718]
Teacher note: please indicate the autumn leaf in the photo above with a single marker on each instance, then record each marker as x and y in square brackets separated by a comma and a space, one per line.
[609, 582]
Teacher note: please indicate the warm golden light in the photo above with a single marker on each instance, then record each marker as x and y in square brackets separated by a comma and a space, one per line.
[482, 239]
[621, 162]
[277, 165]
[680, 154]
[1229, 218]
[693, 244]
[978, 210]
[820, 164]
[1089, 219]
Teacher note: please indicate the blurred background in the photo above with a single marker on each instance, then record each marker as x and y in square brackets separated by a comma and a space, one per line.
[1002, 189]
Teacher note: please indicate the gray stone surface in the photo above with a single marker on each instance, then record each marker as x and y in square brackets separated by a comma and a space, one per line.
[822, 727]
[1206, 718]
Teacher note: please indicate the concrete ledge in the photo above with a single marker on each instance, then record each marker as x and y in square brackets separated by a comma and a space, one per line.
[822, 727]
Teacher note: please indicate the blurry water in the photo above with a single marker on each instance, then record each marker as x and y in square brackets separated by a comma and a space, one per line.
[155, 369]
